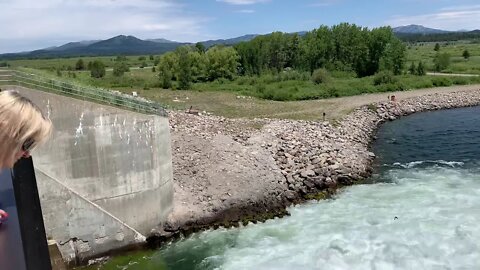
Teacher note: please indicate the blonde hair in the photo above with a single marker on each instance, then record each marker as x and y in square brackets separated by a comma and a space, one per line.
[20, 120]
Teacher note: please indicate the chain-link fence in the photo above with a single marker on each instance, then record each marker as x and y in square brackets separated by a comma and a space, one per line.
[99, 95]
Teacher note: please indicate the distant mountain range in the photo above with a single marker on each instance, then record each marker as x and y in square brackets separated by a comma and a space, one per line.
[119, 45]
[130, 45]
[418, 29]
[419, 33]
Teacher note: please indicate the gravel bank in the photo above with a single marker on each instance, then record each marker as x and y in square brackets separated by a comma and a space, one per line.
[236, 170]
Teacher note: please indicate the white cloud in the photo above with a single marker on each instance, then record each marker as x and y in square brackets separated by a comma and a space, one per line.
[246, 11]
[449, 18]
[243, 2]
[29, 25]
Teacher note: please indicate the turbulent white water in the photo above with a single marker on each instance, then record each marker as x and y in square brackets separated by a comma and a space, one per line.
[426, 218]
[421, 211]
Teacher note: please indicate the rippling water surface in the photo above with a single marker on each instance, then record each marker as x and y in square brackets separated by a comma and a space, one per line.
[420, 211]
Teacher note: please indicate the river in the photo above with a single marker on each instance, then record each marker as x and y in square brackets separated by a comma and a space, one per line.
[420, 210]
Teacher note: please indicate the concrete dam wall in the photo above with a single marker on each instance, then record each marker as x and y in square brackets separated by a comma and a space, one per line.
[104, 177]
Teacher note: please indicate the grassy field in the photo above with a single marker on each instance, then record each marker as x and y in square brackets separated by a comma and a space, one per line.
[69, 63]
[266, 96]
[425, 52]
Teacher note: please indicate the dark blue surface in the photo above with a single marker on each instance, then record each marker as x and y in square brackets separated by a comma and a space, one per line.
[11, 247]
[447, 135]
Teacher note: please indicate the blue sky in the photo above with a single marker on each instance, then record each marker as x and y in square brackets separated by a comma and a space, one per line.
[33, 24]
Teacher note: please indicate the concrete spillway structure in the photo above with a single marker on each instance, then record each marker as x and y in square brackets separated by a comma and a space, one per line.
[105, 176]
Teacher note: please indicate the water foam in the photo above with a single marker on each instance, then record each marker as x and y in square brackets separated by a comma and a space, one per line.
[426, 219]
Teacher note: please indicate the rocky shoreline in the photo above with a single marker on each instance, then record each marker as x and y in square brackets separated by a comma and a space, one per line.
[228, 171]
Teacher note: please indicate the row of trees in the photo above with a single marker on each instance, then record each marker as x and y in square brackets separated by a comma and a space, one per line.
[465, 54]
[344, 47]
[192, 64]
[440, 37]
[97, 67]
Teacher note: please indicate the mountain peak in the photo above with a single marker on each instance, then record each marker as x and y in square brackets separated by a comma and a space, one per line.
[124, 37]
[417, 29]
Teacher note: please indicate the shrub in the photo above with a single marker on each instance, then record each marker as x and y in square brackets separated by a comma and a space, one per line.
[420, 69]
[269, 78]
[320, 75]
[342, 74]
[441, 61]
[332, 92]
[242, 80]
[80, 65]
[165, 78]
[412, 69]
[119, 68]
[260, 88]
[391, 87]
[277, 94]
[441, 81]
[460, 80]
[384, 77]
[97, 69]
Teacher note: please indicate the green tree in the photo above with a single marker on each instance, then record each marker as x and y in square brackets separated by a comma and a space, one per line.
[393, 58]
[200, 47]
[315, 48]
[165, 76]
[441, 61]
[222, 62]
[151, 57]
[198, 65]
[167, 67]
[412, 69]
[142, 58]
[80, 65]
[184, 68]
[378, 39]
[249, 60]
[420, 69]
[347, 47]
[156, 61]
[466, 54]
[437, 47]
[119, 68]
[275, 51]
[97, 69]
[292, 51]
